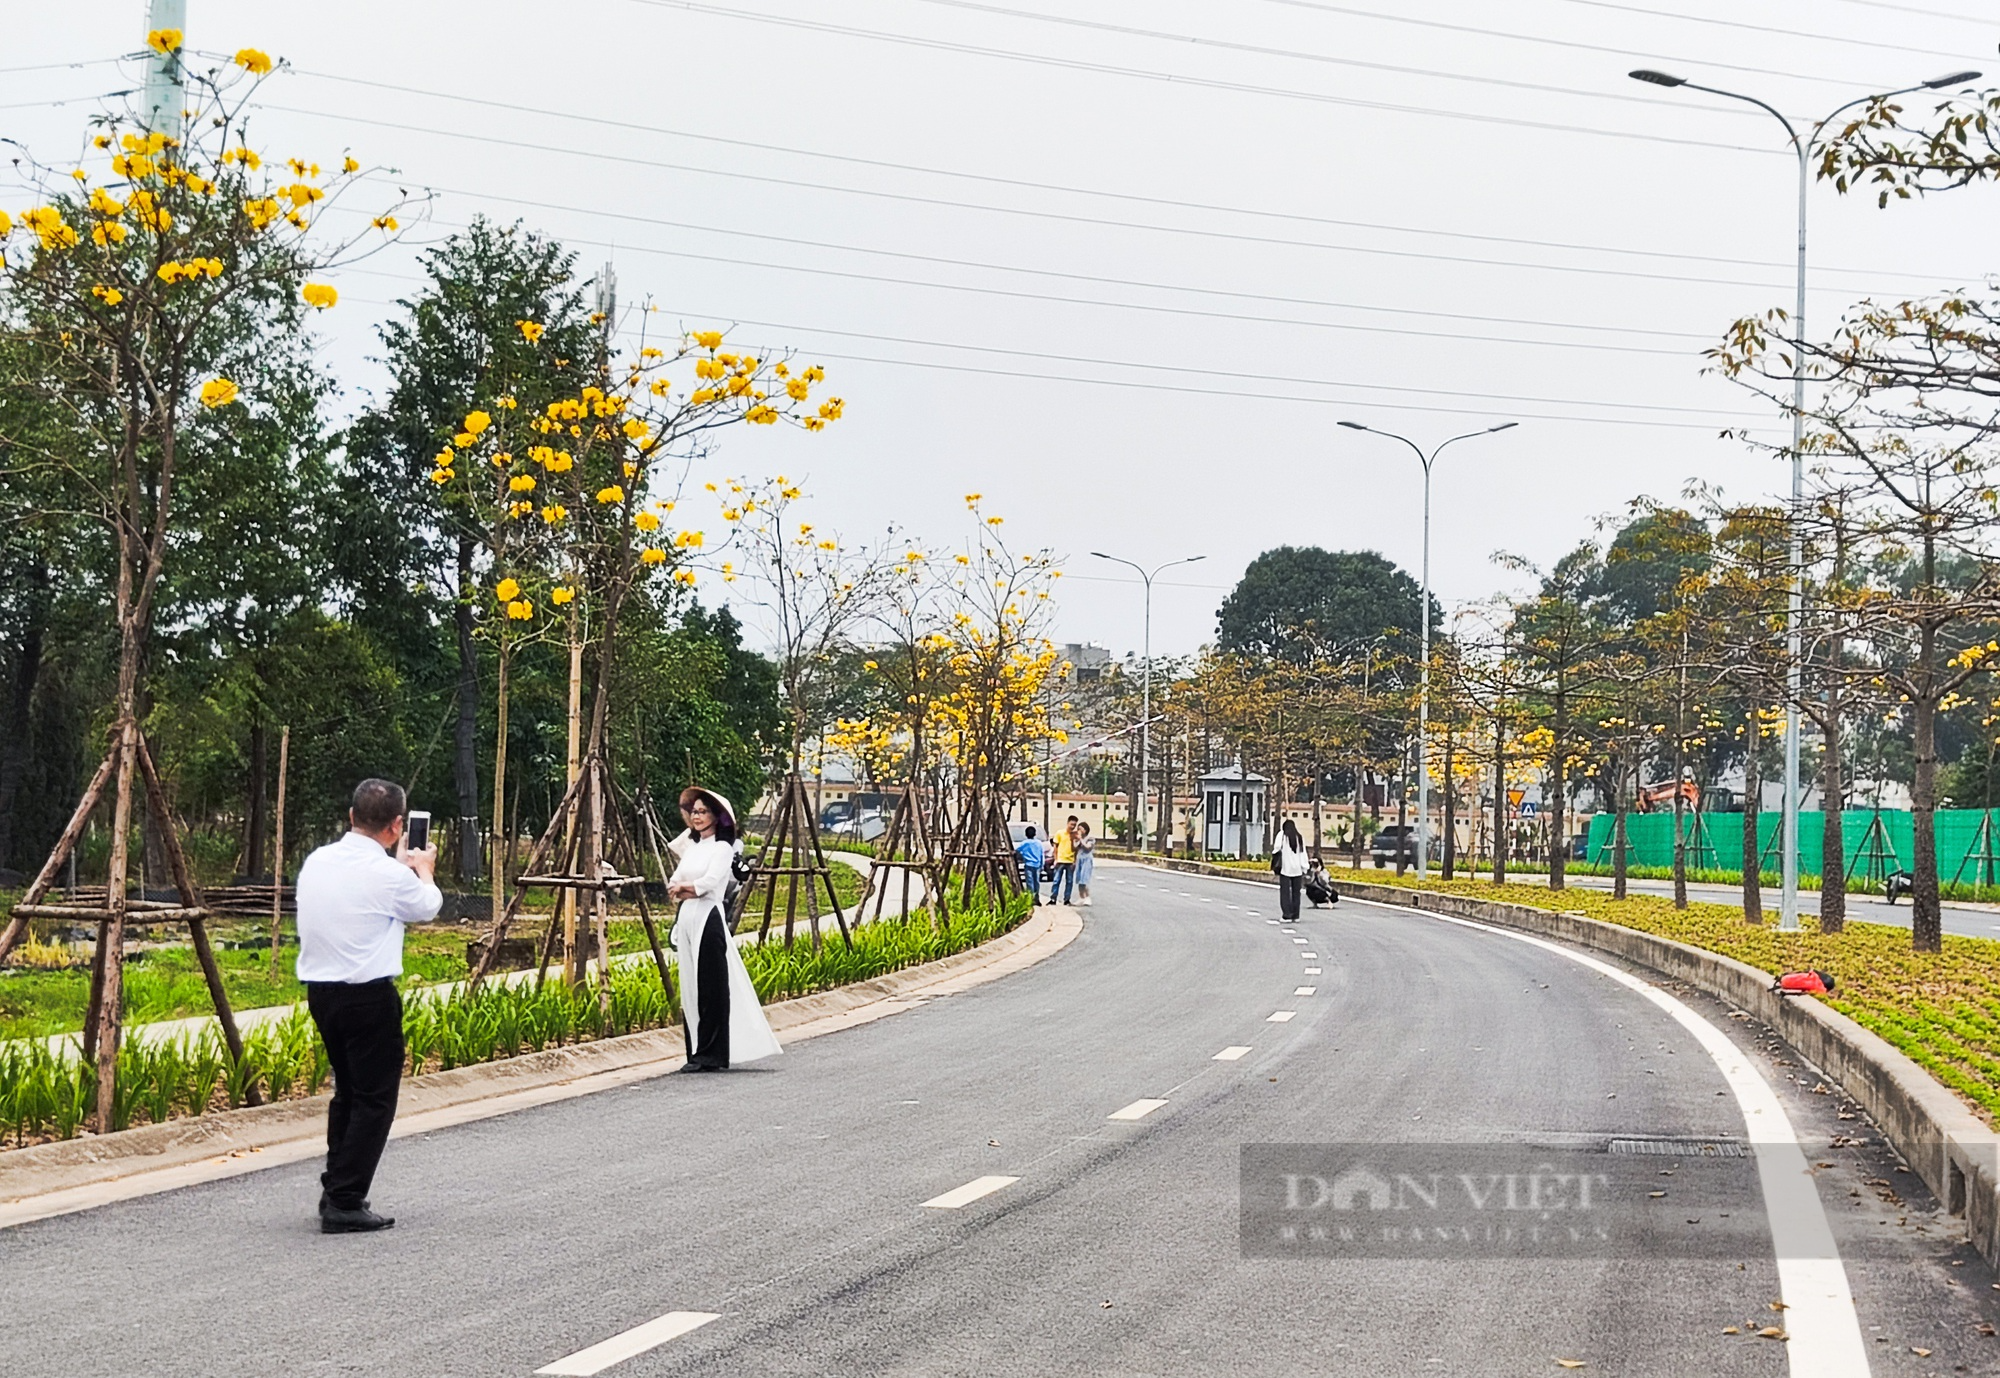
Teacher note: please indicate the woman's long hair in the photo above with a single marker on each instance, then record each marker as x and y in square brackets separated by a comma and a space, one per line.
[1292, 838]
[718, 809]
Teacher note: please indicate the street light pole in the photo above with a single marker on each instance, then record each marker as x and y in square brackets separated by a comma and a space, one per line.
[1146, 698]
[1424, 665]
[1788, 902]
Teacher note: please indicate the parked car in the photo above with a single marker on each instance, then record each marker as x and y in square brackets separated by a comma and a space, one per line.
[1394, 842]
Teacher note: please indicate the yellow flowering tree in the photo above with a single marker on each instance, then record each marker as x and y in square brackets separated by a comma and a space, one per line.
[596, 476]
[123, 282]
[999, 711]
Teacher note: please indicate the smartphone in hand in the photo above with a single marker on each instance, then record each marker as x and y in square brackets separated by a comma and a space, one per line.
[417, 836]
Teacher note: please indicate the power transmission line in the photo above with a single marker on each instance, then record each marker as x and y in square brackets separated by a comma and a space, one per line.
[516, 107]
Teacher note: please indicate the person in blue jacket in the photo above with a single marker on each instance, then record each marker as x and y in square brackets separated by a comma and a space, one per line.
[1034, 856]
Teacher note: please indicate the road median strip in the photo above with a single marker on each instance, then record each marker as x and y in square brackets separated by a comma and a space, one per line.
[78, 1174]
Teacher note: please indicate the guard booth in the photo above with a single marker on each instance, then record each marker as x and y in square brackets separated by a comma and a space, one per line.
[1235, 812]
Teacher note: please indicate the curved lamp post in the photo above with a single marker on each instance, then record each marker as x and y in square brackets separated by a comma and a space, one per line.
[1424, 667]
[1788, 906]
[1146, 704]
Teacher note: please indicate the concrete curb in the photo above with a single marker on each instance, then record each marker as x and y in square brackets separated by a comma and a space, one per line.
[77, 1174]
[1945, 1144]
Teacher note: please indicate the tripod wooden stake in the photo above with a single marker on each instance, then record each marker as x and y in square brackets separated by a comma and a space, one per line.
[104, 1018]
[791, 852]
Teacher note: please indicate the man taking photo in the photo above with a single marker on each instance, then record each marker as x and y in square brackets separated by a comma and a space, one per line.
[354, 896]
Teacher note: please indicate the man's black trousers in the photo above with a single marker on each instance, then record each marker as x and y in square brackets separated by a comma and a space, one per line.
[362, 1027]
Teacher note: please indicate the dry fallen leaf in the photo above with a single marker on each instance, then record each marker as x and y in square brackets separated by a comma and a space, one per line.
[1771, 1332]
[1984, 1328]
[1731, 1330]
[1569, 1363]
[1920, 1353]
[1778, 1306]
[1656, 1194]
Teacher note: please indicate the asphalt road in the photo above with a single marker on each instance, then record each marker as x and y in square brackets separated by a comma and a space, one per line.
[787, 1201]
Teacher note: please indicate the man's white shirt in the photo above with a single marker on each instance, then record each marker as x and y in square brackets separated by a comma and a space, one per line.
[354, 899]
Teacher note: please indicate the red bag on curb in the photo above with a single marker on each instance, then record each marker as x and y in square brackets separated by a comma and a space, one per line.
[1804, 983]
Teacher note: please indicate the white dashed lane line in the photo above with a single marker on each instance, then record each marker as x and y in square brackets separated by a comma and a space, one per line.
[1306, 990]
[631, 1344]
[1314, 971]
[1137, 1110]
[970, 1192]
[1281, 1017]
[1231, 1053]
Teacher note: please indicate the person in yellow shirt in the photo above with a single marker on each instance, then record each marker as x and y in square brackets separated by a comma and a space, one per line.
[1062, 885]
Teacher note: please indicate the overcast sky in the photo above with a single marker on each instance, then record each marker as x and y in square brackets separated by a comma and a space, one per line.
[1121, 267]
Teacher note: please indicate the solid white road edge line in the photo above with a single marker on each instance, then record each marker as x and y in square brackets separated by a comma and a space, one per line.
[1824, 1331]
[1137, 1110]
[970, 1192]
[1823, 1328]
[631, 1344]
[1231, 1053]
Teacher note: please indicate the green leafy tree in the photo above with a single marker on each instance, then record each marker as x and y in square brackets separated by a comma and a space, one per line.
[1295, 600]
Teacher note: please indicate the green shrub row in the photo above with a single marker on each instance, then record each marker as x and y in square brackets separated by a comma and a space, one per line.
[48, 1093]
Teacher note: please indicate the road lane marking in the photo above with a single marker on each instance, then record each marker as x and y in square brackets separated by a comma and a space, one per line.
[970, 1192]
[1300, 941]
[1281, 1017]
[1311, 956]
[1823, 1327]
[1272, 922]
[631, 1344]
[1231, 1053]
[1137, 1110]
[1256, 915]
[1306, 990]
[1313, 971]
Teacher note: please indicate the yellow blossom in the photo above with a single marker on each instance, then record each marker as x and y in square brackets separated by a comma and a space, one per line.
[561, 594]
[610, 494]
[795, 388]
[252, 61]
[646, 521]
[531, 331]
[684, 576]
[507, 589]
[384, 222]
[520, 610]
[477, 422]
[348, 165]
[688, 540]
[635, 429]
[110, 296]
[164, 41]
[319, 294]
[521, 483]
[218, 392]
[554, 513]
[708, 339]
[653, 555]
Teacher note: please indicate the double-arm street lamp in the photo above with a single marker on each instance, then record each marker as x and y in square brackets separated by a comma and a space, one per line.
[1788, 907]
[1424, 667]
[1146, 708]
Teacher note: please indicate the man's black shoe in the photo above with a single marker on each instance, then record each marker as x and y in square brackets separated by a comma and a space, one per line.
[335, 1220]
[326, 1203]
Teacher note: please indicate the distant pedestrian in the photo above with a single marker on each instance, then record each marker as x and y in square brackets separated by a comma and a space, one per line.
[1289, 861]
[721, 1021]
[354, 899]
[1086, 863]
[1033, 857]
[1319, 885]
[1062, 880]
